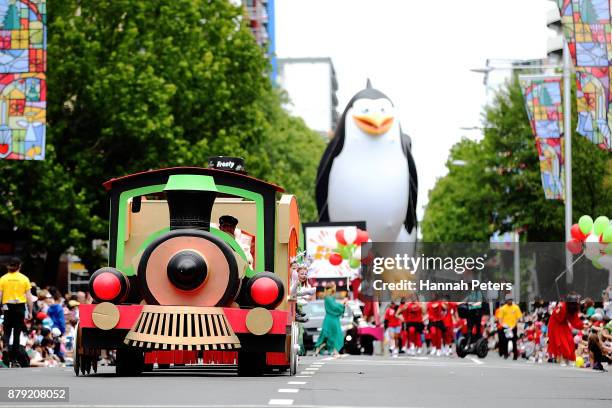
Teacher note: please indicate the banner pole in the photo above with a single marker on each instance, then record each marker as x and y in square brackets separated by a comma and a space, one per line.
[567, 99]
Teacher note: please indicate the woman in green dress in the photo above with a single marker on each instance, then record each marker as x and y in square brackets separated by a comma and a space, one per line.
[331, 336]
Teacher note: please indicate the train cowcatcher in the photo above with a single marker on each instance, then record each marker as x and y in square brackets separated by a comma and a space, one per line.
[178, 289]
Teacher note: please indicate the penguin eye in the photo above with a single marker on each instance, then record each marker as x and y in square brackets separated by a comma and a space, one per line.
[382, 110]
[366, 110]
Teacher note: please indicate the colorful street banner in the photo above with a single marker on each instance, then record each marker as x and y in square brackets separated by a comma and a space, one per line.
[587, 27]
[544, 107]
[23, 85]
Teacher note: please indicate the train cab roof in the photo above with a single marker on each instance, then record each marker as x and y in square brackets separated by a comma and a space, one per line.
[221, 176]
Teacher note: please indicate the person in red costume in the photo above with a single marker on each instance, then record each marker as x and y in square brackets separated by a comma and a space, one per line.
[450, 315]
[412, 312]
[436, 324]
[560, 339]
[393, 324]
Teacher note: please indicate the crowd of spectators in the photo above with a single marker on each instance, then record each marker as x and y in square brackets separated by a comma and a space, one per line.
[49, 339]
[592, 334]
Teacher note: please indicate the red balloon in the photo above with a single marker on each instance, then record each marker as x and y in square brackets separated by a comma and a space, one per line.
[340, 237]
[362, 236]
[576, 233]
[335, 259]
[574, 246]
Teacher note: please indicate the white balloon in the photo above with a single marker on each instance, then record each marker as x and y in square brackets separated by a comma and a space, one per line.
[592, 247]
[350, 235]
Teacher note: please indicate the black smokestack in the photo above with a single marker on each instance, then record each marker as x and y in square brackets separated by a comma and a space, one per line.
[190, 201]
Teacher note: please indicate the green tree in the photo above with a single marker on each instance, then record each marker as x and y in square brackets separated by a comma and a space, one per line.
[290, 155]
[458, 208]
[140, 85]
[504, 175]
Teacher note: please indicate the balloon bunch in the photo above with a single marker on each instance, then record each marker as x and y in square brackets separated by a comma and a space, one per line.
[596, 239]
[349, 246]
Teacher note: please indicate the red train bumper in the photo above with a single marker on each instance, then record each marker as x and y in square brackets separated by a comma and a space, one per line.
[128, 314]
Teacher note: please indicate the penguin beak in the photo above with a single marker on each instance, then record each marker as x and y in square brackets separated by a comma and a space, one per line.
[374, 124]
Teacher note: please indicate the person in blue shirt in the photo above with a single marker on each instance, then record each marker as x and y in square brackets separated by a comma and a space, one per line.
[56, 311]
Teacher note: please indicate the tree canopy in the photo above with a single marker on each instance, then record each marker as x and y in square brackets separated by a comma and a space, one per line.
[498, 186]
[140, 85]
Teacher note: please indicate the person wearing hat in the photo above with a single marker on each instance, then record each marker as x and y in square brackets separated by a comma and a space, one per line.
[508, 316]
[228, 224]
[15, 294]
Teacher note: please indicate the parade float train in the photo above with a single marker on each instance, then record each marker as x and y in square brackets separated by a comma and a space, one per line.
[178, 290]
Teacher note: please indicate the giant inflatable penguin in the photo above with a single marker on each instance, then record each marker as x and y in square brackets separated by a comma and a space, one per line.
[367, 172]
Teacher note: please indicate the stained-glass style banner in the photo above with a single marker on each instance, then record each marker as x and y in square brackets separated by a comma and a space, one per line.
[587, 27]
[544, 107]
[23, 86]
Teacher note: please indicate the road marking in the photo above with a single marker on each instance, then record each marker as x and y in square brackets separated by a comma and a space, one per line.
[198, 406]
[312, 368]
[296, 382]
[289, 390]
[303, 376]
[275, 401]
[476, 360]
[307, 373]
[328, 359]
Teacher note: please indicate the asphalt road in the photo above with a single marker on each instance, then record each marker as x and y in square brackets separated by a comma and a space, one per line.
[353, 381]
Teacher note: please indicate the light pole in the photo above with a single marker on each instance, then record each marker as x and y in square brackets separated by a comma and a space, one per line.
[567, 102]
[567, 109]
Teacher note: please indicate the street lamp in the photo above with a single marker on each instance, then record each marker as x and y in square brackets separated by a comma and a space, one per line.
[482, 70]
[568, 136]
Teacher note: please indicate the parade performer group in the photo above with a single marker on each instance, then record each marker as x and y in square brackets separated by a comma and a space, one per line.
[570, 332]
[407, 331]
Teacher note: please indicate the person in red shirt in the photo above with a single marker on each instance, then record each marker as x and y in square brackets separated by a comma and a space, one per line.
[436, 324]
[393, 325]
[560, 339]
[412, 313]
[450, 316]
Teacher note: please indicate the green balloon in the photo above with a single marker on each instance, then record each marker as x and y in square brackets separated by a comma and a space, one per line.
[355, 263]
[586, 224]
[596, 264]
[600, 225]
[346, 252]
[608, 250]
[607, 234]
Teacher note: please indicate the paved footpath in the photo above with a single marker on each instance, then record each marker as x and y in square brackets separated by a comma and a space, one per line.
[351, 381]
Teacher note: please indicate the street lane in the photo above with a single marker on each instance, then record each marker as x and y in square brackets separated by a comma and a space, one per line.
[351, 381]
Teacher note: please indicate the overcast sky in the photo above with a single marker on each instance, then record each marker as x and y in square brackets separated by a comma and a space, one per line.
[418, 52]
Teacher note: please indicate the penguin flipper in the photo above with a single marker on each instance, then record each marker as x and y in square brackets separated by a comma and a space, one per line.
[334, 147]
[413, 184]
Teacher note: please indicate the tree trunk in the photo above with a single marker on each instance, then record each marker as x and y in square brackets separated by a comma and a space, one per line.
[51, 267]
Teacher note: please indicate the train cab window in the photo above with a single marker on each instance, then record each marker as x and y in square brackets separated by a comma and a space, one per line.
[245, 213]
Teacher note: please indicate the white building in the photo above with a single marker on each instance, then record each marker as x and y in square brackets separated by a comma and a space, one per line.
[311, 85]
